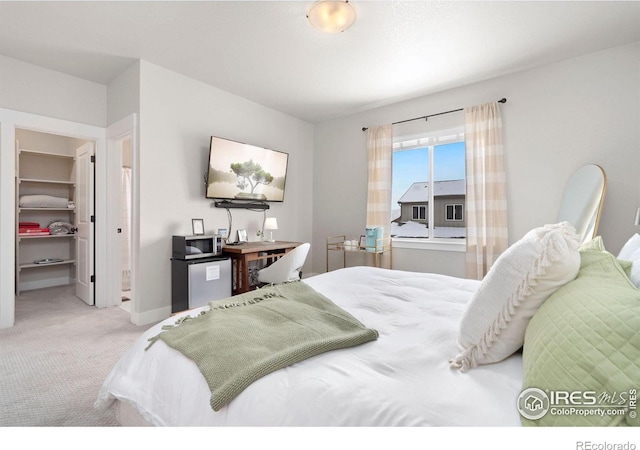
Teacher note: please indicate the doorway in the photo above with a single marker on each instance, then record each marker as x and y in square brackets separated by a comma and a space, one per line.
[126, 156]
[121, 214]
[106, 258]
[54, 210]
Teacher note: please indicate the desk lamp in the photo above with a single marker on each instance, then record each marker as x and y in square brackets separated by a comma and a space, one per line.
[271, 224]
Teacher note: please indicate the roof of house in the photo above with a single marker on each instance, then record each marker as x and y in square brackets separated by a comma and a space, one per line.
[419, 191]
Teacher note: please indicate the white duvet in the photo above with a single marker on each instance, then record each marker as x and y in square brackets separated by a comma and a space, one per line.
[402, 379]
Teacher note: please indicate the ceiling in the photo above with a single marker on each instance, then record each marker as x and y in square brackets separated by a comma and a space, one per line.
[267, 52]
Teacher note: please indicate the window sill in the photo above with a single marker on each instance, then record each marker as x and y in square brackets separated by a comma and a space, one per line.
[447, 245]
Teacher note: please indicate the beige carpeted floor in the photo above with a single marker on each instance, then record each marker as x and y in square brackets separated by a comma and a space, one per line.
[55, 358]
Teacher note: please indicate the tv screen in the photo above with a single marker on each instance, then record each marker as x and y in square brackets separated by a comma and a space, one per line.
[240, 171]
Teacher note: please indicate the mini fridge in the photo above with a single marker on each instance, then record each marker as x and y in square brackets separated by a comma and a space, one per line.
[196, 282]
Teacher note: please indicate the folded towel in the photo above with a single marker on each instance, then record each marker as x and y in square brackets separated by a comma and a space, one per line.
[31, 231]
[28, 225]
[43, 201]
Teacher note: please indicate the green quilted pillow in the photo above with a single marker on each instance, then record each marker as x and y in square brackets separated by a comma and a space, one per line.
[596, 244]
[581, 356]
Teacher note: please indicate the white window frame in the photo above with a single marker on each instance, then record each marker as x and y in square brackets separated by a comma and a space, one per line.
[430, 140]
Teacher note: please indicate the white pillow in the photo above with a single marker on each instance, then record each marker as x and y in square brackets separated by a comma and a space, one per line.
[635, 269]
[631, 247]
[631, 252]
[522, 278]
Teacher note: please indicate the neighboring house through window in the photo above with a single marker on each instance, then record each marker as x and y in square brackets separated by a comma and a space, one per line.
[424, 209]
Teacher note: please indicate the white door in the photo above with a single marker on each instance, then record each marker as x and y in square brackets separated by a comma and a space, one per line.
[84, 213]
[110, 165]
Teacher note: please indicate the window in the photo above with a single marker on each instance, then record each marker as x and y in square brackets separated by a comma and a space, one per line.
[453, 212]
[419, 212]
[422, 209]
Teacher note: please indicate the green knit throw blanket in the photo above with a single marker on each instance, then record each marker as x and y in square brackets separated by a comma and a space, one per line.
[250, 335]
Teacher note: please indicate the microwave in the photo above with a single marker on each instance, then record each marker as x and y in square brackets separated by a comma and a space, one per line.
[197, 246]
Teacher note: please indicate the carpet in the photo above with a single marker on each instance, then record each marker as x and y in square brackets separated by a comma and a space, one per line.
[55, 358]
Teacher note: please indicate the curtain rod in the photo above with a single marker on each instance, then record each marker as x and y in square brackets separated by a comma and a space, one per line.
[502, 100]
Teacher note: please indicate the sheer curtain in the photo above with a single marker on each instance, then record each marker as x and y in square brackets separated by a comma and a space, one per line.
[486, 201]
[125, 240]
[379, 154]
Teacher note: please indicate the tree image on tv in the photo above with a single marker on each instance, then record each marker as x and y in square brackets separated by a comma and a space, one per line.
[251, 175]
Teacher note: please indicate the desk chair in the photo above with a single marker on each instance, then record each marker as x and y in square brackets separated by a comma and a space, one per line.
[287, 268]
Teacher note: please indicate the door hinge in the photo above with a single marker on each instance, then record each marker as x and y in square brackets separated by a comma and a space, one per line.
[93, 219]
[93, 158]
[93, 278]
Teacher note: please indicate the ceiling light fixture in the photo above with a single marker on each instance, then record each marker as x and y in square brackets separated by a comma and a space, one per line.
[332, 16]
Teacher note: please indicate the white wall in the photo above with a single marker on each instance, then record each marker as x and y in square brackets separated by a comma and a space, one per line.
[31, 89]
[177, 117]
[28, 88]
[123, 94]
[556, 119]
[7, 223]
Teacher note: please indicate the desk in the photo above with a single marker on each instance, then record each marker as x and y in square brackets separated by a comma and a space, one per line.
[242, 255]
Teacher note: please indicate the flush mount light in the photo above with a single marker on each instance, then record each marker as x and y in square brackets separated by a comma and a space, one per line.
[332, 16]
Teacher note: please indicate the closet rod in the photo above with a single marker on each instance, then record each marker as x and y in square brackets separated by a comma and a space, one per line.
[502, 100]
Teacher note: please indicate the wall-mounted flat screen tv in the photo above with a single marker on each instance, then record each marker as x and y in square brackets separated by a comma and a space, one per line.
[240, 171]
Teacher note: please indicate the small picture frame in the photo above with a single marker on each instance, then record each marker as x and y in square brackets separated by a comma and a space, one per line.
[242, 235]
[363, 242]
[198, 226]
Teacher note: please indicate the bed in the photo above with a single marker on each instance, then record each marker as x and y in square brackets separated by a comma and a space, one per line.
[412, 374]
[403, 378]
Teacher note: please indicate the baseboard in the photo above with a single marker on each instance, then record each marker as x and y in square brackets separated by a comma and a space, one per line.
[150, 317]
[44, 283]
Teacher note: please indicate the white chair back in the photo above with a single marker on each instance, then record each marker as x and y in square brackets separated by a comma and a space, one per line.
[287, 268]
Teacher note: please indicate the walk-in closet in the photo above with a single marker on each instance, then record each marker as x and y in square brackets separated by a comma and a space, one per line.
[53, 195]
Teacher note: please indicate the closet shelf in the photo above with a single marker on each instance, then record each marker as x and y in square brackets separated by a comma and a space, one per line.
[46, 236]
[49, 170]
[41, 153]
[32, 265]
[21, 209]
[38, 180]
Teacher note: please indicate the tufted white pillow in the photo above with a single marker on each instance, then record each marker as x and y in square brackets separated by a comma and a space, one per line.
[525, 275]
